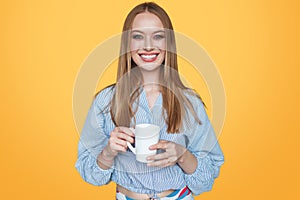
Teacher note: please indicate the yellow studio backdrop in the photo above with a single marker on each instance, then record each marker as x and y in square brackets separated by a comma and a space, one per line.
[255, 45]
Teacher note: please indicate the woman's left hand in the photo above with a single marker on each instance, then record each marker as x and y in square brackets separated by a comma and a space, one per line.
[173, 154]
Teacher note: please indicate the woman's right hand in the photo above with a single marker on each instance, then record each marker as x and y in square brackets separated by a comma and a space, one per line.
[118, 141]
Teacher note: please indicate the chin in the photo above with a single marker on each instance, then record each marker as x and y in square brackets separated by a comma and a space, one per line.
[149, 67]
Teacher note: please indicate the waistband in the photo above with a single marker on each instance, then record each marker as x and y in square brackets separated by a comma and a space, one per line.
[124, 194]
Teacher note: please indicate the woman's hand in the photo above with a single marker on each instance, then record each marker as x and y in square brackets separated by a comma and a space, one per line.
[116, 143]
[173, 154]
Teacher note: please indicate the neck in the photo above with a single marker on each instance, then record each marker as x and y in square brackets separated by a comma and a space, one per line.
[151, 79]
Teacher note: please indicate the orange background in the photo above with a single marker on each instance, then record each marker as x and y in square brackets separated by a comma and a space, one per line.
[255, 45]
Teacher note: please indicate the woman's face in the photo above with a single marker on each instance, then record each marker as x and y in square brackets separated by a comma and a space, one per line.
[148, 41]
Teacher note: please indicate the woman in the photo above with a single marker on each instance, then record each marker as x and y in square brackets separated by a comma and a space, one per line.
[149, 88]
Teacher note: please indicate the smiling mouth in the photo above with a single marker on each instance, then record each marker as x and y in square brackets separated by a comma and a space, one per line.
[149, 57]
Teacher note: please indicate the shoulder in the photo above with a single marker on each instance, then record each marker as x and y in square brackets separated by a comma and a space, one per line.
[197, 103]
[104, 96]
[193, 97]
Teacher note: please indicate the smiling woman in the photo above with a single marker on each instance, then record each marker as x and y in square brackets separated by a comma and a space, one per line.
[148, 90]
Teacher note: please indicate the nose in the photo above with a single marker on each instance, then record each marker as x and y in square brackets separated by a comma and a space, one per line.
[148, 44]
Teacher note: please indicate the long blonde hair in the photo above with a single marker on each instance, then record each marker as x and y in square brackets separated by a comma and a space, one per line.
[172, 88]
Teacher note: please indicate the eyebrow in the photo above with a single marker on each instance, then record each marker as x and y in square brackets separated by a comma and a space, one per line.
[139, 31]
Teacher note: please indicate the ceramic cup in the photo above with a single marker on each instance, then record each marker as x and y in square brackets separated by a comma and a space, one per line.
[145, 136]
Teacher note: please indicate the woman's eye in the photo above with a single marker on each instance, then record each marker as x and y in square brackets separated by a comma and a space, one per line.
[137, 37]
[159, 37]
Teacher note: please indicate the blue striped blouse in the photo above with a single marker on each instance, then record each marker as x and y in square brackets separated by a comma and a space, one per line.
[199, 139]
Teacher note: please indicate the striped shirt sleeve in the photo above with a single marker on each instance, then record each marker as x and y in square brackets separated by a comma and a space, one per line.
[92, 142]
[204, 146]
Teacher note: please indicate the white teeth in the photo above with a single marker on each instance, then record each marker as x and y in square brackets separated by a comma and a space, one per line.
[148, 56]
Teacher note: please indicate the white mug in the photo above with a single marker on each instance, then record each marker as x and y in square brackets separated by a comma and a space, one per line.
[145, 136]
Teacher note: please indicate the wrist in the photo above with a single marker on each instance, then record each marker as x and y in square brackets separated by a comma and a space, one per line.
[103, 161]
[106, 155]
[182, 158]
[188, 162]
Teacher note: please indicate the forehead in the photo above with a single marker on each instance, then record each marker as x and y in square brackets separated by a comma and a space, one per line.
[145, 21]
